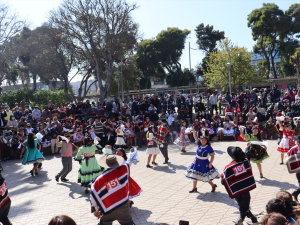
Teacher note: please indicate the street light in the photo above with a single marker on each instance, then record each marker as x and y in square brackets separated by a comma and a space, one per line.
[229, 64]
[190, 54]
[118, 76]
[139, 84]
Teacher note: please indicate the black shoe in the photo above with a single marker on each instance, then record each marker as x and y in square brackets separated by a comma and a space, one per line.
[261, 176]
[194, 190]
[281, 163]
[86, 191]
[64, 179]
[36, 173]
[31, 172]
[131, 203]
[4, 159]
[240, 220]
[251, 216]
[40, 166]
[148, 166]
[57, 178]
[154, 163]
[182, 150]
[295, 195]
[214, 188]
[166, 162]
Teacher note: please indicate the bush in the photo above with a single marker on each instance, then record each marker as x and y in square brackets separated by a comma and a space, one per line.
[40, 97]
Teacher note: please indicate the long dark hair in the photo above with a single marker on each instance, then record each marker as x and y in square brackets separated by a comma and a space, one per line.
[30, 140]
[280, 206]
[61, 220]
[259, 135]
[124, 153]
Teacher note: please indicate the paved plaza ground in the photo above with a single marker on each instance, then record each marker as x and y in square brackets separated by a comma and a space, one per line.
[165, 198]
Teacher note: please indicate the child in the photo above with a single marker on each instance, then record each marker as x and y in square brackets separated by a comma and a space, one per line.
[238, 180]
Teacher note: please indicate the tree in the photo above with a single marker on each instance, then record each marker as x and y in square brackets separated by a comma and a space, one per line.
[269, 27]
[10, 25]
[243, 72]
[207, 39]
[180, 78]
[295, 60]
[100, 30]
[159, 57]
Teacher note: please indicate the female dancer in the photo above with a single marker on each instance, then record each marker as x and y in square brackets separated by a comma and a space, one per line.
[32, 154]
[78, 133]
[129, 134]
[183, 140]
[152, 148]
[286, 142]
[120, 143]
[146, 124]
[257, 153]
[89, 168]
[201, 168]
[134, 189]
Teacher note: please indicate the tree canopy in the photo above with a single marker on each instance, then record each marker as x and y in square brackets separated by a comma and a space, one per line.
[243, 72]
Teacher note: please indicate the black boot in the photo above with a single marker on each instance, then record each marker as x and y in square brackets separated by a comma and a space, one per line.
[241, 218]
[251, 216]
[295, 194]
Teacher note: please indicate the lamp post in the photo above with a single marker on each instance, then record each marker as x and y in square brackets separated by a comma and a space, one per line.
[139, 84]
[118, 75]
[229, 64]
[190, 54]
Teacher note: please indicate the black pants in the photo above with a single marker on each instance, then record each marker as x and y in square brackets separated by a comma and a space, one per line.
[243, 201]
[111, 141]
[164, 151]
[214, 107]
[4, 210]
[139, 138]
[6, 151]
[298, 178]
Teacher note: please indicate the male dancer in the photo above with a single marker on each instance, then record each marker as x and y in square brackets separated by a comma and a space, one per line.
[162, 137]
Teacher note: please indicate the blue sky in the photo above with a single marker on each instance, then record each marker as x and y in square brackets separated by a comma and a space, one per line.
[154, 16]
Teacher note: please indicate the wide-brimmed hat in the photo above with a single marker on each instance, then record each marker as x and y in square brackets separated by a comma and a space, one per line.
[236, 153]
[196, 120]
[296, 138]
[164, 121]
[111, 161]
[67, 134]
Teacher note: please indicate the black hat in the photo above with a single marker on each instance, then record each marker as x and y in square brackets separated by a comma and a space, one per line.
[287, 124]
[88, 128]
[164, 121]
[296, 138]
[236, 153]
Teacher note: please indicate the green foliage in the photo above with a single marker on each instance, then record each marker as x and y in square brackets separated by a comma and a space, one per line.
[181, 78]
[154, 57]
[243, 72]
[207, 37]
[40, 97]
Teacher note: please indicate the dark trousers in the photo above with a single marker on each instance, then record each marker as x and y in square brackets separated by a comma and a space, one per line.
[214, 107]
[111, 141]
[139, 138]
[6, 151]
[243, 201]
[4, 210]
[122, 214]
[164, 151]
[298, 178]
[67, 167]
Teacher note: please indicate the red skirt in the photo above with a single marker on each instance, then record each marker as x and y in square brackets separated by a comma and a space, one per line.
[134, 189]
[285, 145]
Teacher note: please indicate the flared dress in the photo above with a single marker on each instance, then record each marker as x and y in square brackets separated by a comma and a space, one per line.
[120, 143]
[129, 134]
[255, 153]
[199, 170]
[78, 137]
[286, 142]
[152, 148]
[89, 168]
[183, 139]
[32, 155]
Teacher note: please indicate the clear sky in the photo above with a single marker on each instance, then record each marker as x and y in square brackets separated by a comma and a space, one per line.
[154, 16]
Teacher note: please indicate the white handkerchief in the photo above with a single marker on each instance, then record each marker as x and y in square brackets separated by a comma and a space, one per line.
[260, 143]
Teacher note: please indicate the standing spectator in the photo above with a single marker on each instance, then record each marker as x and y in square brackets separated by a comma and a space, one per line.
[227, 97]
[189, 103]
[62, 111]
[17, 113]
[108, 108]
[8, 114]
[22, 104]
[264, 96]
[2, 116]
[50, 105]
[36, 112]
[54, 133]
